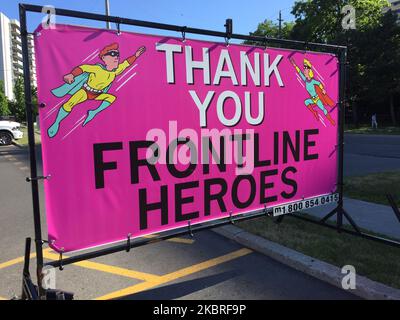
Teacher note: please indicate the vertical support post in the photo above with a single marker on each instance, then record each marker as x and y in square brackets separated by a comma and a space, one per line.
[32, 151]
[27, 256]
[107, 7]
[228, 28]
[280, 25]
[342, 102]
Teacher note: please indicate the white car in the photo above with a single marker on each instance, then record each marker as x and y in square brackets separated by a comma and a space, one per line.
[9, 130]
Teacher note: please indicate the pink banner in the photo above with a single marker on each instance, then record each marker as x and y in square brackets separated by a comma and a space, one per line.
[142, 134]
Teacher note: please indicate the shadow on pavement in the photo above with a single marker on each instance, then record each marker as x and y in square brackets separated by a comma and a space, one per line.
[181, 289]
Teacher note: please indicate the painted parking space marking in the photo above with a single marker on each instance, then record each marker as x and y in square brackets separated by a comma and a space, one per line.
[12, 262]
[181, 240]
[176, 240]
[176, 274]
[107, 268]
[149, 280]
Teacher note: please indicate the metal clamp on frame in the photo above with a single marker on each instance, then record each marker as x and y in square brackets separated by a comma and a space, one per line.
[128, 242]
[118, 27]
[183, 33]
[306, 47]
[61, 267]
[230, 217]
[190, 229]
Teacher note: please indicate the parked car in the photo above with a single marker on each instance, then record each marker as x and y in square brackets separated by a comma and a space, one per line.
[9, 130]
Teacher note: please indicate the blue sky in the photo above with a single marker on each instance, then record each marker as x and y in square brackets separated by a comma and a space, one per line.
[206, 14]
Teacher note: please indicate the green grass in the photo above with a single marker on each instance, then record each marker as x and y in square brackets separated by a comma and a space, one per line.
[24, 140]
[374, 187]
[374, 260]
[369, 130]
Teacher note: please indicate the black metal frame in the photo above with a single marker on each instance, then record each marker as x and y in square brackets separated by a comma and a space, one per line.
[341, 52]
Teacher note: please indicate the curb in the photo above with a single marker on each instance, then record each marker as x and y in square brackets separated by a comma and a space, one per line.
[365, 288]
[17, 145]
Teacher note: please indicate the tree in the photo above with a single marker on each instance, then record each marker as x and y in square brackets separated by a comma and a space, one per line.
[269, 28]
[321, 21]
[17, 106]
[4, 109]
[384, 71]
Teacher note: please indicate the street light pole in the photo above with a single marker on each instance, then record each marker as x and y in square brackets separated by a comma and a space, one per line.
[107, 4]
[280, 25]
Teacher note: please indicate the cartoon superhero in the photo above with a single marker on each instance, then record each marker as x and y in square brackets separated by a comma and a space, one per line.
[318, 95]
[91, 82]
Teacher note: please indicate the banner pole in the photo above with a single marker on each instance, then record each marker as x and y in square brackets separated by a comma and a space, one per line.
[342, 102]
[32, 151]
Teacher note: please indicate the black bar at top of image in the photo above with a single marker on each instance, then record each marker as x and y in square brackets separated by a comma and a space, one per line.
[171, 27]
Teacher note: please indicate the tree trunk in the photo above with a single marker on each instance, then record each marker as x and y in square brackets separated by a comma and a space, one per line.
[392, 111]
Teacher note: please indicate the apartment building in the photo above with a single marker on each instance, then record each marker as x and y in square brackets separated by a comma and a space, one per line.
[11, 64]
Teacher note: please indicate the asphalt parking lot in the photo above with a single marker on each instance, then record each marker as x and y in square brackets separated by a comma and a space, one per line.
[207, 266]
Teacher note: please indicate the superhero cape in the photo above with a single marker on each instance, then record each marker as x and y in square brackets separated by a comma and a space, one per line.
[71, 88]
[325, 99]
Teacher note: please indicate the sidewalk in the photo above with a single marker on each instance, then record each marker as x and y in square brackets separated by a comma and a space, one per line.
[370, 216]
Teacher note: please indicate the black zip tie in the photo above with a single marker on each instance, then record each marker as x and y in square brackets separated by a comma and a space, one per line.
[190, 229]
[128, 243]
[227, 41]
[306, 47]
[118, 27]
[29, 179]
[61, 268]
[230, 217]
[184, 34]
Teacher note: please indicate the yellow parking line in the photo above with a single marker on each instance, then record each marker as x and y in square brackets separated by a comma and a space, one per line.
[108, 268]
[177, 240]
[176, 275]
[206, 264]
[1, 298]
[118, 271]
[14, 261]
[181, 240]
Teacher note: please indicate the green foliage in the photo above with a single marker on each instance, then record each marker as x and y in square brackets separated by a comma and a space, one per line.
[321, 20]
[4, 109]
[377, 261]
[270, 29]
[17, 107]
[373, 48]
